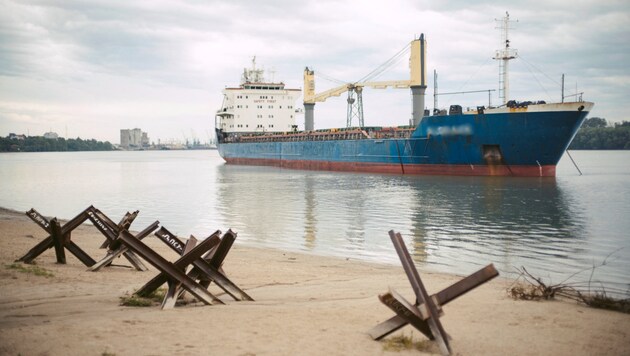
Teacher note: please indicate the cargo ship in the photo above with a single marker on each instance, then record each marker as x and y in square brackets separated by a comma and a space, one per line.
[256, 126]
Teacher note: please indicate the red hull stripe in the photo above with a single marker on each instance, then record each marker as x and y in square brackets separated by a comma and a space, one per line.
[414, 169]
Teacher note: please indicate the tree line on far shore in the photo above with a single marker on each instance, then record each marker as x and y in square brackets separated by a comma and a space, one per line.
[597, 134]
[41, 144]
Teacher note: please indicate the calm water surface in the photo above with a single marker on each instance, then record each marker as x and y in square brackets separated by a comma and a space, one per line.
[552, 226]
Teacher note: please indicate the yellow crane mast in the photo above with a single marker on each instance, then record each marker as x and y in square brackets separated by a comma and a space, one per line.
[417, 83]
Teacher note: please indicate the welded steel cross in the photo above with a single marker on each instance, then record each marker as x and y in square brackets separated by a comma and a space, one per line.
[59, 238]
[111, 230]
[205, 257]
[425, 312]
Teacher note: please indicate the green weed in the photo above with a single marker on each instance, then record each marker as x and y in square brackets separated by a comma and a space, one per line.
[32, 269]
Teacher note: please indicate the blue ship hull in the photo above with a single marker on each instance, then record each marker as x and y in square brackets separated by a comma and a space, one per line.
[509, 141]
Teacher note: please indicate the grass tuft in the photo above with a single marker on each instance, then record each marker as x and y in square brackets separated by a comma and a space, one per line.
[31, 269]
[602, 301]
[133, 300]
[404, 342]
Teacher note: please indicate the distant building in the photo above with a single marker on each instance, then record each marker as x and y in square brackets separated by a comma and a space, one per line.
[51, 135]
[133, 139]
[13, 136]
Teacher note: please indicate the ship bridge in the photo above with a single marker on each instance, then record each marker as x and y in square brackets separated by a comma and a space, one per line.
[257, 105]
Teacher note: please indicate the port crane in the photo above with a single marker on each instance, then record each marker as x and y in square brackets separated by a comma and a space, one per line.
[417, 83]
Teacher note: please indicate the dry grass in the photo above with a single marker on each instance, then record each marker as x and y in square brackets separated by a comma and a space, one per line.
[404, 342]
[602, 301]
[133, 300]
[528, 287]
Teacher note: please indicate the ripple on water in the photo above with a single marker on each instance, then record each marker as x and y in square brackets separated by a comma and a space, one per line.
[554, 227]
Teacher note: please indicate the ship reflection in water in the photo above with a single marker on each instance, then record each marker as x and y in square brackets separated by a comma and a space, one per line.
[552, 226]
[452, 224]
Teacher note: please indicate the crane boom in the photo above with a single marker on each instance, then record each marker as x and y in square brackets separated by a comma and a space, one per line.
[416, 81]
[321, 97]
[337, 91]
[396, 84]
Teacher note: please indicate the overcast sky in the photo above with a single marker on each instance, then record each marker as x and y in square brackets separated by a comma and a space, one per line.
[90, 68]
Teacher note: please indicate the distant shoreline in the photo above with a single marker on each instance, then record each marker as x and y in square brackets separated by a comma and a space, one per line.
[23, 143]
[214, 149]
[149, 149]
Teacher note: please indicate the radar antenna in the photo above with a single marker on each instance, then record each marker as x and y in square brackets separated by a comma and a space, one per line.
[503, 55]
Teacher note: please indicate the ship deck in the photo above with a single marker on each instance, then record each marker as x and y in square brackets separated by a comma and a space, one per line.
[324, 135]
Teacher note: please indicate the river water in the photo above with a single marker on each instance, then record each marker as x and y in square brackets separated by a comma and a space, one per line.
[554, 227]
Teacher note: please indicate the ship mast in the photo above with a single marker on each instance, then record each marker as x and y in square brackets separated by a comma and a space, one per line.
[504, 55]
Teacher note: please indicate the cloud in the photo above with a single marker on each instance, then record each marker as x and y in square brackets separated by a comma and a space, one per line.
[161, 65]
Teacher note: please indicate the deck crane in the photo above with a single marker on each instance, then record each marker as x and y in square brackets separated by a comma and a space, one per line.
[417, 83]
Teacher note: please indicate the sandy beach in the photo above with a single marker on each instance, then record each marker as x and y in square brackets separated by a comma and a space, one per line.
[304, 305]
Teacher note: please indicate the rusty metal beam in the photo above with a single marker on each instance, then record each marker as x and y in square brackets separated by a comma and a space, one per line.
[79, 253]
[206, 269]
[171, 240]
[174, 288]
[108, 228]
[441, 298]
[37, 250]
[49, 241]
[125, 223]
[218, 255]
[422, 297]
[387, 327]
[39, 219]
[100, 223]
[424, 314]
[221, 280]
[111, 255]
[172, 272]
[161, 278]
[406, 311]
[210, 270]
[59, 238]
[467, 284]
[76, 221]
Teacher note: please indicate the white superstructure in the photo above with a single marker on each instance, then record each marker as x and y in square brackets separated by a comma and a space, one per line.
[257, 105]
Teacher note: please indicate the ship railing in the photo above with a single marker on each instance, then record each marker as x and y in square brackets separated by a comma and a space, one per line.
[326, 135]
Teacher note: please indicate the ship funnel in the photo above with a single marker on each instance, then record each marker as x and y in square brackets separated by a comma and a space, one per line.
[418, 85]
